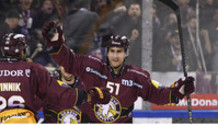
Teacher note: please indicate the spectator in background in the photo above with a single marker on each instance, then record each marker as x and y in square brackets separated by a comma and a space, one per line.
[26, 20]
[128, 21]
[213, 33]
[170, 22]
[101, 38]
[169, 57]
[38, 53]
[96, 52]
[129, 24]
[190, 36]
[129, 2]
[6, 5]
[78, 25]
[62, 7]
[156, 28]
[134, 24]
[2, 17]
[44, 14]
[156, 19]
[186, 10]
[98, 5]
[214, 59]
[206, 13]
[213, 27]
[10, 23]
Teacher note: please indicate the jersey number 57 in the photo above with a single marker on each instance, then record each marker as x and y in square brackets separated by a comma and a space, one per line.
[113, 87]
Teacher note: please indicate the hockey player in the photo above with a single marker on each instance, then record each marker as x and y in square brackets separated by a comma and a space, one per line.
[58, 114]
[20, 81]
[125, 82]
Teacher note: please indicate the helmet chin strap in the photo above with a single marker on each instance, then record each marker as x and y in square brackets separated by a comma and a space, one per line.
[117, 67]
[22, 54]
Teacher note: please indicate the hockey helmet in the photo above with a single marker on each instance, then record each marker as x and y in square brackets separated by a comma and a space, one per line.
[118, 41]
[13, 44]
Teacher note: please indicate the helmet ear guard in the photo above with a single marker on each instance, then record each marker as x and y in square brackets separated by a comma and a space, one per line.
[127, 52]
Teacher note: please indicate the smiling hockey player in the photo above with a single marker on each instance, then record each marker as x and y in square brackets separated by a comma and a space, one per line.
[125, 82]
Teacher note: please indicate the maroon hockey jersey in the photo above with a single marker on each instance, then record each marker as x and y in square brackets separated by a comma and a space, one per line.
[124, 87]
[20, 81]
[58, 114]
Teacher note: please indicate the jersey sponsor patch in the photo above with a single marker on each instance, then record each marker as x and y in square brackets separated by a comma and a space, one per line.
[15, 73]
[108, 113]
[69, 116]
[95, 72]
[137, 72]
[131, 83]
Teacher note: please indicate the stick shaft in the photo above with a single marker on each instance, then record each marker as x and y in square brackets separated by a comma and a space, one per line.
[184, 62]
[176, 9]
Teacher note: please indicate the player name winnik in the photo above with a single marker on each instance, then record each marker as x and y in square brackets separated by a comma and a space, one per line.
[10, 86]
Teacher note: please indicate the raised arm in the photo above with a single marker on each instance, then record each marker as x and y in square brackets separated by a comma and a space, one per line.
[53, 35]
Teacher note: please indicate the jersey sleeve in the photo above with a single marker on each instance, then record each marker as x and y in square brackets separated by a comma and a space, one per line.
[71, 62]
[50, 91]
[153, 94]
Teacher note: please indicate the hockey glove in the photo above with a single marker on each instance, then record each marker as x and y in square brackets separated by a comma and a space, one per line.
[181, 87]
[99, 95]
[52, 33]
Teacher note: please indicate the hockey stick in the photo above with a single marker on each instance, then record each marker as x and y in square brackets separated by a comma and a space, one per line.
[176, 9]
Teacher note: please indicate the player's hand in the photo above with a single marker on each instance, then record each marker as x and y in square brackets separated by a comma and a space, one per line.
[181, 87]
[53, 34]
[99, 95]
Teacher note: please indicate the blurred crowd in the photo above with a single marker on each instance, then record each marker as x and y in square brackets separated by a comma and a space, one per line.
[200, 36]
[88, 24]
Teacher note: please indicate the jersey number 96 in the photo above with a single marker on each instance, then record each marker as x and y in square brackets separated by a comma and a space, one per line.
[13, 101]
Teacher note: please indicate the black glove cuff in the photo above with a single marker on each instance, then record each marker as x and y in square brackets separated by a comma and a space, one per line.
[82, 96]
[174, 99]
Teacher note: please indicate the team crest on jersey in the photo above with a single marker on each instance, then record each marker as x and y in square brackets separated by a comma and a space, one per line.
[108, 113]
[27, 72]
[69, 116]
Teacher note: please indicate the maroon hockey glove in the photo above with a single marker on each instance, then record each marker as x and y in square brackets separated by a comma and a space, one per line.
[99, 95]
[180, 87]
[49, 31]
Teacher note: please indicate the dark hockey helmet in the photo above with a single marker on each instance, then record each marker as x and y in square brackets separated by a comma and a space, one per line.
[118, 41]
[12, 44]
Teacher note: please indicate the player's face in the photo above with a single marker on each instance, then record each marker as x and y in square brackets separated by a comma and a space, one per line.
[116, 56]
